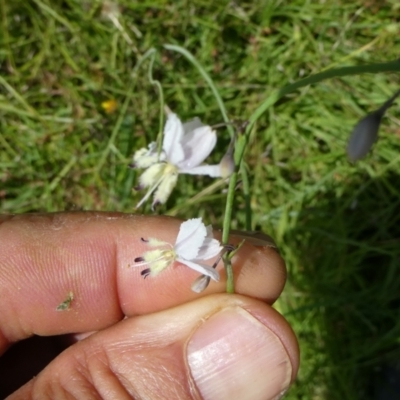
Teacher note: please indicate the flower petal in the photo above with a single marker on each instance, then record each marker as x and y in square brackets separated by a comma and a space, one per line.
[211, 170]
[200, 283]
[209, 231]
[197, 146]
[209, 249]
[190, 238]
[173, 133]
[203, 269]
[190, 126]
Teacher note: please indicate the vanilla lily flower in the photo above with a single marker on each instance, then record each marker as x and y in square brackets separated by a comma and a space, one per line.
[194, 244]
[185, 147]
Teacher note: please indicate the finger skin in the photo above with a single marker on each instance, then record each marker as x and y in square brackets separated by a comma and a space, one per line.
[44, 257]
[145, 356]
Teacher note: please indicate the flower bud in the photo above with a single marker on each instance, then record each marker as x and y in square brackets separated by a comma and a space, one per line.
[364, 135]
[227, 165]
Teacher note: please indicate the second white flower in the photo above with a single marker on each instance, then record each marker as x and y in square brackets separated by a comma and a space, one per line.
[185, 147]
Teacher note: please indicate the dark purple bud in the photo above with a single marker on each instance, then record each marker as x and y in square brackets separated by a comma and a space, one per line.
[145, 273]
[365, 133]
[139, 259]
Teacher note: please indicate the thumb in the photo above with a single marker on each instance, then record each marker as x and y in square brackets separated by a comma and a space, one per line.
[216, 347]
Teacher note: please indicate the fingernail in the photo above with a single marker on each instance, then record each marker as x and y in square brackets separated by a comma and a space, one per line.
[256, 238]
[234, 356]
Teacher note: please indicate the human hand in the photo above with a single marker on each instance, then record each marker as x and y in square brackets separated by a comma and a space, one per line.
[173, 343]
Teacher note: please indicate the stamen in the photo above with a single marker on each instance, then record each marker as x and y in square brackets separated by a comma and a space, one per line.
[145, 273]
[216, 262]
[150, 191]
[144, 240]
[138, 259]
[154, 205]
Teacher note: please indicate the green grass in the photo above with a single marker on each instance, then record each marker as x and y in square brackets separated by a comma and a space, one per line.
[337, 224]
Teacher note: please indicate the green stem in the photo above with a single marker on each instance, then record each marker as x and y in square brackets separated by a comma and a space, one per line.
[247, 195]
[230, 286]
[229, 208]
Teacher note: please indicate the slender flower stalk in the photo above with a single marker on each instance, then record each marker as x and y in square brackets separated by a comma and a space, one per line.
[194, 245]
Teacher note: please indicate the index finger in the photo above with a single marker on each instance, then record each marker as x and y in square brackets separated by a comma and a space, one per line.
[46, 257]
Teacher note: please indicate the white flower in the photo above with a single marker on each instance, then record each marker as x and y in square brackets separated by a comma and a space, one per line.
[184, 148]
[194, 244]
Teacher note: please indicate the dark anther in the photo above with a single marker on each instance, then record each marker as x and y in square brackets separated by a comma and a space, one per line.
[145, 273]
[155, 205]
[216, 263]
[144, 240]
[139, 259]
